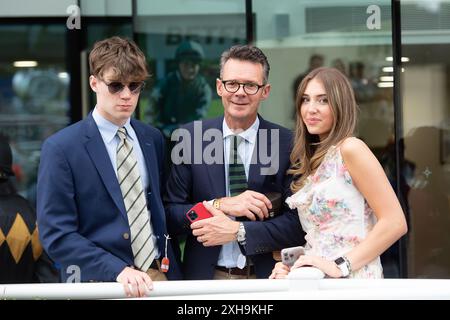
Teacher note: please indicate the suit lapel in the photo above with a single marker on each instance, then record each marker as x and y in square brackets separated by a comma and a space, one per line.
[97, 151]
[255, 178]
[216, 174]
[151, 162]
[216, 171]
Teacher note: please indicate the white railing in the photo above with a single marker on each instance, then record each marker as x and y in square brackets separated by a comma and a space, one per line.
[114, 290]
[388, 289]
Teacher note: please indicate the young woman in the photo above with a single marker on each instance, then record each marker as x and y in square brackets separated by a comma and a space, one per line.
[344, 200]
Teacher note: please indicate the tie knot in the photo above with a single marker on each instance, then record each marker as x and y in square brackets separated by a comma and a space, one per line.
[122, 133]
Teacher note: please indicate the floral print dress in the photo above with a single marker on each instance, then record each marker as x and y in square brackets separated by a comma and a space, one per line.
[334, 214]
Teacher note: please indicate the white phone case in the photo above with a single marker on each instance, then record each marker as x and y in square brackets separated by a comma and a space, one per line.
[290, 255]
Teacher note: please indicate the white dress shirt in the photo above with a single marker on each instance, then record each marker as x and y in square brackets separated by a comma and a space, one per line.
[230, 253]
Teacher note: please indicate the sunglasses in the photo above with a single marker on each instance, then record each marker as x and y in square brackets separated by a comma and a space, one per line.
[116, 87]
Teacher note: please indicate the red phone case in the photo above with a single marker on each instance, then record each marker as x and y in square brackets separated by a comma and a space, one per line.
[198, 212]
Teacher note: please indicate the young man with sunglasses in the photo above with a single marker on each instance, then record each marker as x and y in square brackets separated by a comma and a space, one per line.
[237, 185]
[100, 212]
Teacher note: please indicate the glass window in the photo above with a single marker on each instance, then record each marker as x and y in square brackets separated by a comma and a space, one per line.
[34, 103]
[183, 42]
[302, 35]
[426, 128]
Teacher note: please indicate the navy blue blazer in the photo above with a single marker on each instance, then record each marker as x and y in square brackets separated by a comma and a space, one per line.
[192, 183]
[81, 215]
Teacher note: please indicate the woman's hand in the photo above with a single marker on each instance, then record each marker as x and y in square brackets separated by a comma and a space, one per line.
[280, 271]
[328, 267]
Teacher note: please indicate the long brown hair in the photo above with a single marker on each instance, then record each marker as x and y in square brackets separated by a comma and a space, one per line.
[308, 151]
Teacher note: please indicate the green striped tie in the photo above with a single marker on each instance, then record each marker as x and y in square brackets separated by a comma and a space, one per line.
[236, 172]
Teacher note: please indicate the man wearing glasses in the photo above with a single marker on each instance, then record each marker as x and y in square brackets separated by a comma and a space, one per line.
[100, 213]
[236, 187]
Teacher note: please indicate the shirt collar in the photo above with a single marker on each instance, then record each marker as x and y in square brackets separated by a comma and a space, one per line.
[249, 134]
[108, 129]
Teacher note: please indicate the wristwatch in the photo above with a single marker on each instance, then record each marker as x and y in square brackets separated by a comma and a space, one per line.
[216, 204]
[241, 234]
[344, 265]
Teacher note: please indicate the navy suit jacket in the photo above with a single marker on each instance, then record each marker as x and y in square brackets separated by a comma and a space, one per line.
[192, 183]
[81, 214]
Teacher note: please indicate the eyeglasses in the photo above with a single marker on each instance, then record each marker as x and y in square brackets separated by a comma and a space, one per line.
[116, 87]
[322, 101]
[233, 86]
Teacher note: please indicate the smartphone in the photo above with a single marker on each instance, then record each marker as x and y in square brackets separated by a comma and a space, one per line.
[290, 255]
[198, 212]
[276, 200]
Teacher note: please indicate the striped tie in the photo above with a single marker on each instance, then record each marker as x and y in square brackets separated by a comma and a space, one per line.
[236, 171]
[142, 240]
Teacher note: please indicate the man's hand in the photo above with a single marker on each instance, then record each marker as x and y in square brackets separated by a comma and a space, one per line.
[250, 204]
[215, 231]
[140, 282]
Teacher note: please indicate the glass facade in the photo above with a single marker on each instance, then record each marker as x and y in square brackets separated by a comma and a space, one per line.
[300, 36]
[425, 143]
[34, 99]
[183, 49]
[406, 126]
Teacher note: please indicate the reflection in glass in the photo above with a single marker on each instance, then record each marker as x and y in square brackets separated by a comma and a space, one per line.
[183, 51]
[309, 35]
[426, 119]
[184, 94]
[33, 97]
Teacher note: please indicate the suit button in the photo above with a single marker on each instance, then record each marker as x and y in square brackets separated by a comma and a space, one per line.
[126, 236]
[149, 193]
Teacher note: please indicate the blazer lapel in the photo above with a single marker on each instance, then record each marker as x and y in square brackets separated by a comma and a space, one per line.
[216, 175]
[216, 171]
[151, 162]
[97, 151]
[255, 178]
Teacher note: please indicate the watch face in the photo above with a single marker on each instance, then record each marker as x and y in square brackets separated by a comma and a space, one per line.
[241, 233]
[339, 261]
